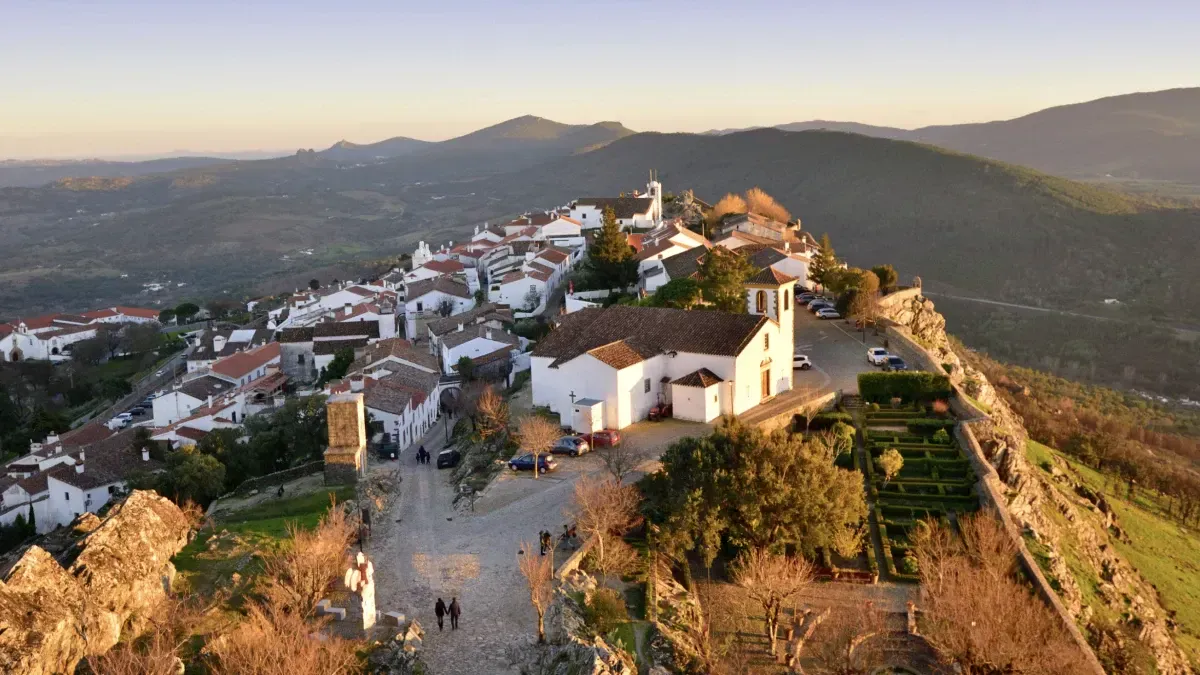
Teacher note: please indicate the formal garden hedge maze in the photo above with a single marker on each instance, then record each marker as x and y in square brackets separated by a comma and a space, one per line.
[935, 480]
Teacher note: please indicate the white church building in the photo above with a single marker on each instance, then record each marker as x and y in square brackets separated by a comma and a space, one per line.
[606, 367]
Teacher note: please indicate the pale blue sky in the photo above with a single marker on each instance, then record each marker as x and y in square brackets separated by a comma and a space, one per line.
[116, 77]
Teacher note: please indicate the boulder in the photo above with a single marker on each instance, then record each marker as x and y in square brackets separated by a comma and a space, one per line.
[53, 616]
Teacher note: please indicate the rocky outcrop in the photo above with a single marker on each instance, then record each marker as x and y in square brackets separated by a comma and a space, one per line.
[570, 649]
[680, 630]
[54, 612]
[1036, 505]
[399, 655]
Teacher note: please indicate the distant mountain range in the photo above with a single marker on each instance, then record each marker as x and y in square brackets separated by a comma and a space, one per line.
[1152, 136]
[31, 173]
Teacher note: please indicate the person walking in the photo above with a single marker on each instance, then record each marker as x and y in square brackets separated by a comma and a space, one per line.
[423, 455]
[455, 611]
[440, 610]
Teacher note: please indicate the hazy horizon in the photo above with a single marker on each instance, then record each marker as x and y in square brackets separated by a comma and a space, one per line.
[129, 78]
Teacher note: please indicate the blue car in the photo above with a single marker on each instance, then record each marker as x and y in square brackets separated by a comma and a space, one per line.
[525, 463]
[895, 363]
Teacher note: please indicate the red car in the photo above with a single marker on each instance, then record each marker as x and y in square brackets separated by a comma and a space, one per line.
[661, 411]
[603, 439]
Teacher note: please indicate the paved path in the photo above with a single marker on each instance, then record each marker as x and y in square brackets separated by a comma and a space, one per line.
[424, 548]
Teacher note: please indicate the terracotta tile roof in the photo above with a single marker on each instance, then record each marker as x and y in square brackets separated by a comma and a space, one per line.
[769, 276]
[623, 207]
[203, 387]
[702, 378]
[617, 354]
[446, 285]
[357, 311]
[394, 348]
[87, 434]
[347, 329]
[190, 433]
[554, 255]
[304, 334]
[635, 241]
[443, 266]
[360, 291]
[649, 331]
[140, 312]
[37, 322]
[478, 314]
[109, 461]
[35, 484]
[386, 396]
[498, 355]
[244, 363]
[72, 319]
[652, 250]
[694, 236]
[684, 265]
[746, 236]
[65, 330]
[327, 347]
[468, 333]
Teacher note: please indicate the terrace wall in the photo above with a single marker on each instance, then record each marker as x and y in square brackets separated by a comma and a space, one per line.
[991, 493]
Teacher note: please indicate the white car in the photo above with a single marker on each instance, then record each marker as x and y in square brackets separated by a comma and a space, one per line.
[801, 362]
[877, 356]
[828, 313]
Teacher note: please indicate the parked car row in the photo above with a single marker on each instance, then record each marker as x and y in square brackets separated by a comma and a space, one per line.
[878, 356]
[123, 420]
[573, 446]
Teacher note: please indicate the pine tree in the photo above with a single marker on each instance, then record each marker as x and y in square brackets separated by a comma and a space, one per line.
[610, 256]
[823, 263]
[723, 275]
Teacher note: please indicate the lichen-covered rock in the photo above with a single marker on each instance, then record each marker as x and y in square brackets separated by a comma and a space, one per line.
[570, 649]
[51, 617]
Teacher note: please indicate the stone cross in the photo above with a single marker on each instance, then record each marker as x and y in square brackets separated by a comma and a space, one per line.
[360, 578]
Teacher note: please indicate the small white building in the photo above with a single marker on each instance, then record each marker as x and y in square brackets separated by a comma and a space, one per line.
[433, 298]
[180, 402]
[706, 363]
[518, 288]
[480, 342]
[641, 211]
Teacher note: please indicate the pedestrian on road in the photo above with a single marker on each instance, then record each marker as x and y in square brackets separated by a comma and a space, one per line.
[440, 610]
[455, 611]
[424, 456]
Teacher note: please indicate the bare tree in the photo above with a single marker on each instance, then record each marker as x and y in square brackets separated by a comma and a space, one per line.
[491, 413]
[977, 615]
[841, 645]
[157, 651]
[730, 203]
[620, 460]
[298, 576]
[274, 641]
[445, 307]
[538, 571]
[538, 435]
[758, 201]
[772, 580]
[604, 510]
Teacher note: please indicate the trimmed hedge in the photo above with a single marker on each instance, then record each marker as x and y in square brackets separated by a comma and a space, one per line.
[929, 426]
[826, 420]
[908, 386]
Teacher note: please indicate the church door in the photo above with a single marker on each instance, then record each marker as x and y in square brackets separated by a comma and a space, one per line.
[766, 383]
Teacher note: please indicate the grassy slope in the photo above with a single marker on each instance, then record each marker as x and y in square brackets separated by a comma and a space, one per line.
[212, 557]
[1164, 553]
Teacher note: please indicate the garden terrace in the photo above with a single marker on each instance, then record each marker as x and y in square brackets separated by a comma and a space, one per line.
[935, 480]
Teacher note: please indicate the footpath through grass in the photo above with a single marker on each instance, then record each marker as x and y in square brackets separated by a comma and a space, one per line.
[1165, 553]
[237, 540]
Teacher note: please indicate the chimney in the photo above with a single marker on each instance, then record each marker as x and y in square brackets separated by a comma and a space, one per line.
[52, 438]
[488, 333]
[356, 383]
[349, 309]
[145, 455]
[79, 468]
[460, 327]
[218, 343]
[209, 404]
[82, 456]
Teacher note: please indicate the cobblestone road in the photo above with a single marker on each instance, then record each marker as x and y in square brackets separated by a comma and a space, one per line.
[425, 549]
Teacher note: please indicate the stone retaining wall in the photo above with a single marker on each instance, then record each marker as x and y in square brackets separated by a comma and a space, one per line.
[991, 495]
[278, 478]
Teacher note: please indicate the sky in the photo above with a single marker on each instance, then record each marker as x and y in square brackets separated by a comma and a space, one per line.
[117, 78]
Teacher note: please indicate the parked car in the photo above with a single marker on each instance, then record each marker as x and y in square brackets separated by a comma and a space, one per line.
[603, 439]
[817, 302]
[570, 445]
[661, 411]
[160, 373]
[895, 363]
[828, 313]
[448, 459]
[806, 297]
[877, 356]
[801, 361]
[127, 416]
[525, 462]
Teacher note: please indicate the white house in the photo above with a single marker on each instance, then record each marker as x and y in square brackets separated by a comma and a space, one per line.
[431, 298]
[478, 342]
[431, 269]
[487, 314]
[217, 344]
[180, 402]
[245, 367]
[623, 360]
[401, 386]
[20, 343]
[518, 288]
[639, 211]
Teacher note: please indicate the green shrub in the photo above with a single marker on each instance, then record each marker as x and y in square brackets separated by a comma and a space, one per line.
[908, 564]
[913, 386]
[826, 420]
[941, 436]
[928, 426]
[605, 611]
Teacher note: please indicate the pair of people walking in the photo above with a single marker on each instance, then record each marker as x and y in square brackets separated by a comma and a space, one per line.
[423, 455]
[454, 610]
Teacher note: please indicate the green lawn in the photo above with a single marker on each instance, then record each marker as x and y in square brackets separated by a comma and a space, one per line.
[1166, 554]
[237, 541]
